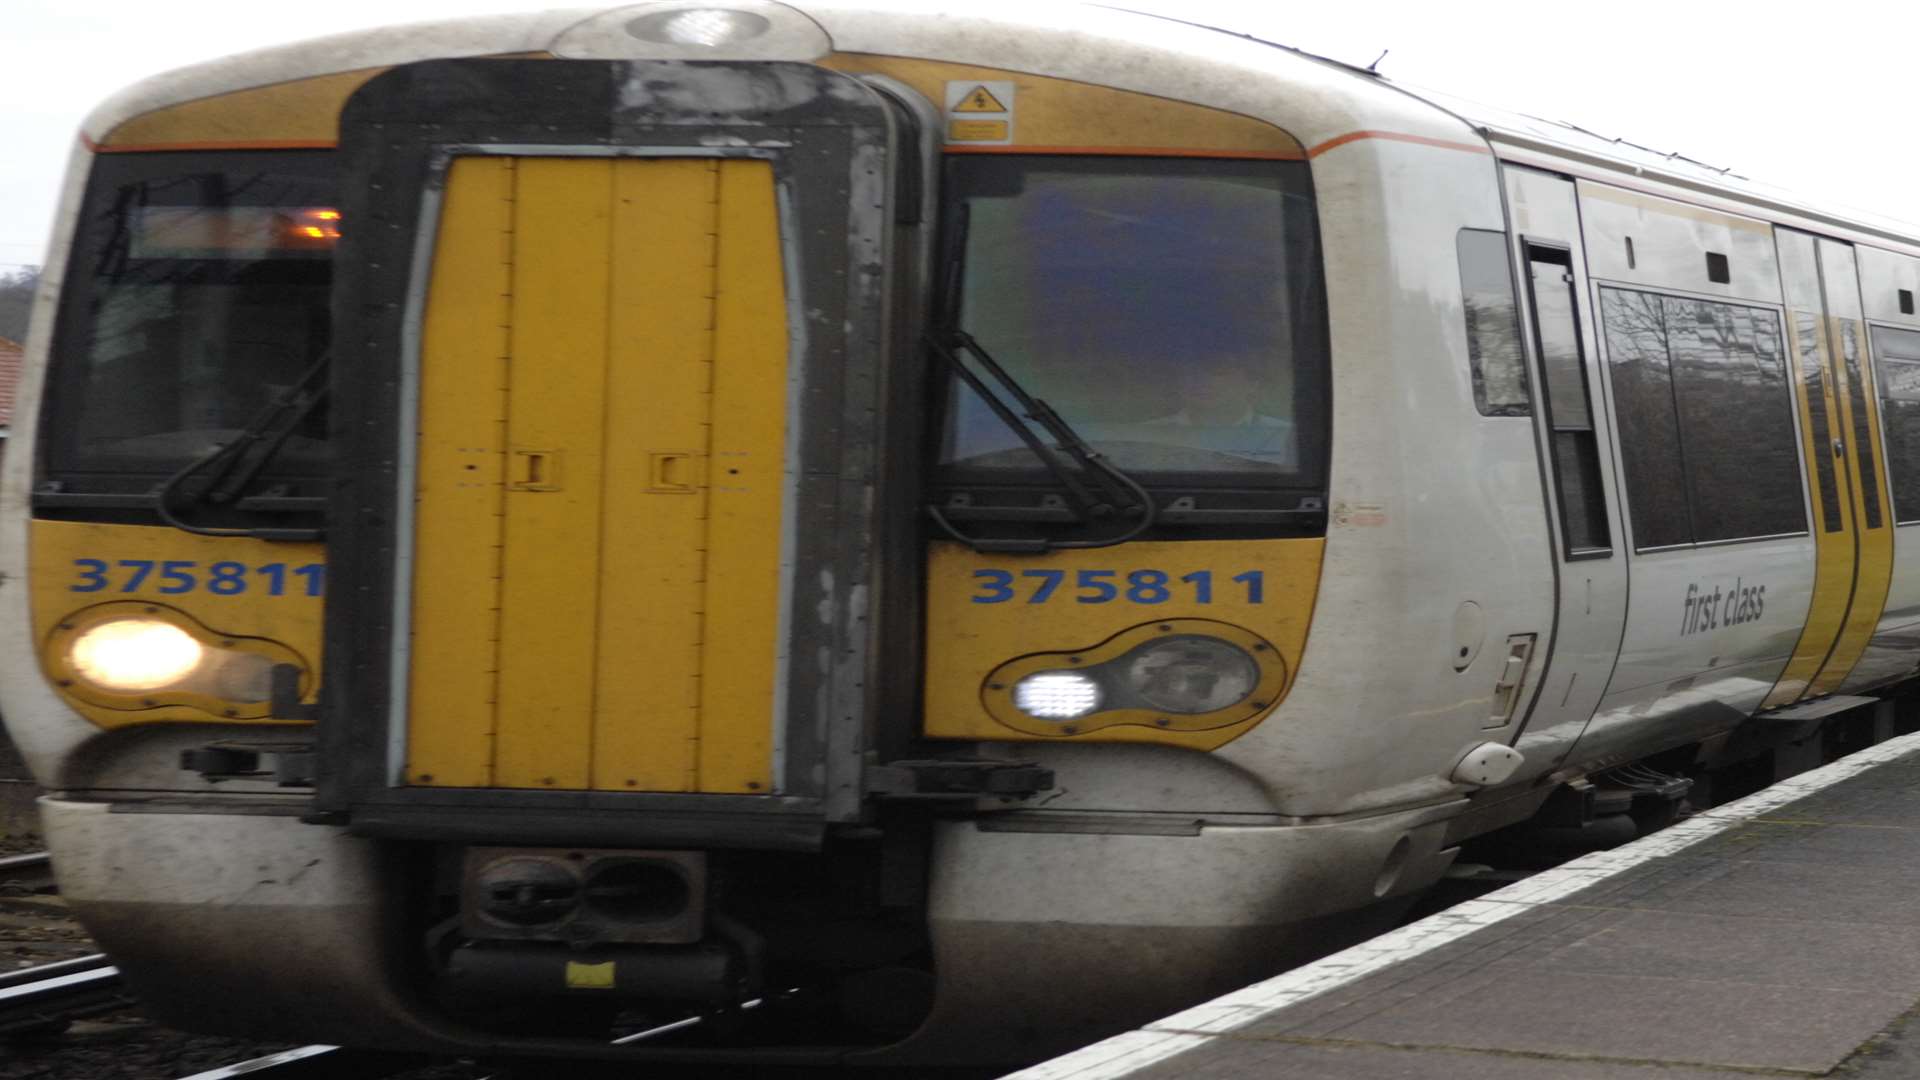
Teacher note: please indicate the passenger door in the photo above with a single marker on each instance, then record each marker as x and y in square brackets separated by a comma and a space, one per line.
[1839, 415]
[1574, 446]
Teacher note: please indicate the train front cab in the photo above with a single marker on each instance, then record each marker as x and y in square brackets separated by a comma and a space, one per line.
[695, 631]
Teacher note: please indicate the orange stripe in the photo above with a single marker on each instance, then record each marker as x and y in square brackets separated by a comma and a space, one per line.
[1395, 136]
[259, 144]
[1131, 151]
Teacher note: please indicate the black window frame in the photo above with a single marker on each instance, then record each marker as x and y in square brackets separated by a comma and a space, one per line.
[1687, 471]
[1899, 475]
[63, 480]
[1575, 461]
[1022, 500]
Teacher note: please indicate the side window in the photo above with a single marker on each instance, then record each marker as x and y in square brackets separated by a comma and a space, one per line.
[1680, 368]
[1850, 358]
[1641, 373]
[1576, 450]
[1897, 356]
[1743, 479]
[1493, 325]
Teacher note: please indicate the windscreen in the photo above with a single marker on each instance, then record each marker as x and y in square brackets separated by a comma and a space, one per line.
[197, 294]
[1170, 309]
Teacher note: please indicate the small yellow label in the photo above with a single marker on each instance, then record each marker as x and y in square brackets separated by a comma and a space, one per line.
[979, 99]
[589, 976]
[977, 131]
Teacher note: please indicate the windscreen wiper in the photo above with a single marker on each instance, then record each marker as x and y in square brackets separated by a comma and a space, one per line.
[233, 465]
[1088, 506]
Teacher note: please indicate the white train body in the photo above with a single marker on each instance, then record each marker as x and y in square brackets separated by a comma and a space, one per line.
[1505, 595]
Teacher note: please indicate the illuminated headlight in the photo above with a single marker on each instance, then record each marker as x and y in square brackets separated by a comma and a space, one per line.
[1175, 675]
[705, 27]
[128, 655]
[1192, 674]
[1056, 695]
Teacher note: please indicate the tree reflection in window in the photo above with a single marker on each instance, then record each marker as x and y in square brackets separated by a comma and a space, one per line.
[1897, 357]
[1706, 427]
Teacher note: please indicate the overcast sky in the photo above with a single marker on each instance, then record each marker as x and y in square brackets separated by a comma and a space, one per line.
[1826, 106]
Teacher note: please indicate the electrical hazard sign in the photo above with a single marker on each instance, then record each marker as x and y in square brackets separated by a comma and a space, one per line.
[979, 99]
[980, 112]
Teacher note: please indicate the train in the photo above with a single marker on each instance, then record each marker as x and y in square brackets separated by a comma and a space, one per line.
[735, 532]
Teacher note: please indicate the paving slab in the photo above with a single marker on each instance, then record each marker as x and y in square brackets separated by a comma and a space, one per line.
[1305, 1061]
[1777, 935]
[1736, 1025]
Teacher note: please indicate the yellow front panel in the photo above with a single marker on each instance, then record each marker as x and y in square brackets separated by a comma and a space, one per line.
[227, 585]
[986, 610]
[646, 726]
[1874, 569]
[463, 387]
[602, 466]
[551, 554]
[1061, 114]
[747, 474]
[1834, 551]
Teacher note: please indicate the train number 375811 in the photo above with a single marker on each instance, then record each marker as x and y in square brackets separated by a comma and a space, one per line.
[174, 576]
[1106, 586]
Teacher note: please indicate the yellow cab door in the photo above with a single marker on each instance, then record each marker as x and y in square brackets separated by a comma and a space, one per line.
[602, 434]
[1846, 476]
[623, 424]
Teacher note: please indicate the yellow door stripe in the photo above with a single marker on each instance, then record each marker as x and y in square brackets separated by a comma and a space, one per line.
[1834, 550]
[1874, 562]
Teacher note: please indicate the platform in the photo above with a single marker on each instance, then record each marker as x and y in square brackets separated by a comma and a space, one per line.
[1778, 934]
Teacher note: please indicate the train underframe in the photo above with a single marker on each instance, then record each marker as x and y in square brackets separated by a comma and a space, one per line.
[928, 938]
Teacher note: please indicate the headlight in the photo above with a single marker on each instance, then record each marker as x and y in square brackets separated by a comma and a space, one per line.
[1056, 695]
[1173, 675]
[1191, 674]
[135, 654]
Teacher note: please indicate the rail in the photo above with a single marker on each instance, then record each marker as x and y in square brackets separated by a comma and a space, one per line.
[46, 996]
[317, 1062]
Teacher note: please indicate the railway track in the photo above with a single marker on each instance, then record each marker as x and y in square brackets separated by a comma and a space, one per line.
[31, 872]
[45, 997]
[318, 1062]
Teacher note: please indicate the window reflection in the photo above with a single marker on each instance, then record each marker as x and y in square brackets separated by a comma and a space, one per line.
[1706, 423]
[199, 297]
[1494, 354]
[1897, 357]
[1169, 309]
[1642, 377]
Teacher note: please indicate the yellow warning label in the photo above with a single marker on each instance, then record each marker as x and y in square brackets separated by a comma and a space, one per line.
[977, 131]
[979, 99]
[589, 976]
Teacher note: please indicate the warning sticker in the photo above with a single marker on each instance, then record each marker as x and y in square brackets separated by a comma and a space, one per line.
[980, 113]
[977, 131]
[979, 99]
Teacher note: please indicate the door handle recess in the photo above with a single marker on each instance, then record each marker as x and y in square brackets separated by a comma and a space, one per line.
[535, 470]
[673, 472]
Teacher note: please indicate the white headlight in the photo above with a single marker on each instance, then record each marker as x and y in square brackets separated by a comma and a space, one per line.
[706, 27]
[1192, 674]
[135, 654]
[1056, 695]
